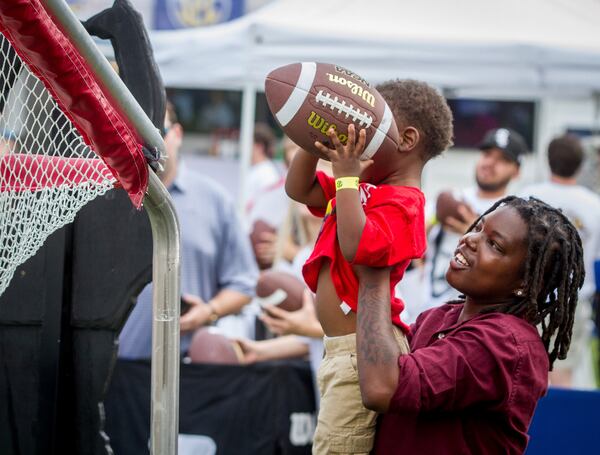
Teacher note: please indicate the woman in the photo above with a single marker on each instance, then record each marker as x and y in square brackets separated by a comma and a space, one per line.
[477, 366]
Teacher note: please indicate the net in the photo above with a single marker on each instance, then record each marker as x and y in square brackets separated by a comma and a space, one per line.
[47, 172]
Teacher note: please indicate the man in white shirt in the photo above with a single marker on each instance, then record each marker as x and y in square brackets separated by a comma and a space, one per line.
[499, 163]
[264, 175]
[582, 207]
[218, 272]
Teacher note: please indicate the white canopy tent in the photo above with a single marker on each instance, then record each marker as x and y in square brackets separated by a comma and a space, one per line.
[534, 47]
[550, 44]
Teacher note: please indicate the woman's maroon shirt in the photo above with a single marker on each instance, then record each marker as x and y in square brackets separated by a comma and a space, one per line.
[468, 388]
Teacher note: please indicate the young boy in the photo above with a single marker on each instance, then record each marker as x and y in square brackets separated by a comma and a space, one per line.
[377, 223]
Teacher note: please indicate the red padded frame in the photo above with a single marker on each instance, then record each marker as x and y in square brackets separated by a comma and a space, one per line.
[20, 172]
[55, 60]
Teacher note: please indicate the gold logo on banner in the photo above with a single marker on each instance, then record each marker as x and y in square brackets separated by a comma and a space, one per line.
[319, 123]
[354, 88]
[195, 13]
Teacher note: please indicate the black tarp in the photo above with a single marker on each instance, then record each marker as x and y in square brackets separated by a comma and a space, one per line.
[260, 409]
[59, 324]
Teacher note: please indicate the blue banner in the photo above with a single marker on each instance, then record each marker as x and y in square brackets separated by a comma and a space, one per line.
[174, 14]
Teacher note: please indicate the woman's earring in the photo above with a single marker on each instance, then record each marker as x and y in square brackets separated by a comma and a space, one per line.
[519, 293]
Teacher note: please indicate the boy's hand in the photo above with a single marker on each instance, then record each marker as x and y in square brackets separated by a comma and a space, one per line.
[345, 159]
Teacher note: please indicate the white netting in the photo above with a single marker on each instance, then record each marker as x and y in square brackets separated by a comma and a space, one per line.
[47, 173]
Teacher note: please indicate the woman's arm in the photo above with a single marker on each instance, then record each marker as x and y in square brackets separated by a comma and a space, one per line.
[473, 366]
[377, 348]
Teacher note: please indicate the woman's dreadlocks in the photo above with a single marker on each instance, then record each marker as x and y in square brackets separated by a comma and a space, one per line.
[554, 273]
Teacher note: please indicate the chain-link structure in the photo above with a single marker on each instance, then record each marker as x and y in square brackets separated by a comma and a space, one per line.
[47, 172]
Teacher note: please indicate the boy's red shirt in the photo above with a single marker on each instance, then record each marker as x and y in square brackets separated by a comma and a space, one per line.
[394, 234]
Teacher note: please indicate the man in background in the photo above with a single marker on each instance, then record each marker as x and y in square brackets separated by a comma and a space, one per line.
[264, 175]
[218, 271]
[582, 207]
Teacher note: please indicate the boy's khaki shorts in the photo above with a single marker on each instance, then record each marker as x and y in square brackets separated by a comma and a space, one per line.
[344, 425]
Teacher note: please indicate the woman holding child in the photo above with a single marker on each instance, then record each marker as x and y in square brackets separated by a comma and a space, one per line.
[477, 366]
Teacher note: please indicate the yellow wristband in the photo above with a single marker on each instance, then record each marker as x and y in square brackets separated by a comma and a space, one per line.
[346, 182]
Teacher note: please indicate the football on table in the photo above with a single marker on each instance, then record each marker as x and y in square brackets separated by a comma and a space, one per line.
[309, 98]
[259, 228]
[209, 346]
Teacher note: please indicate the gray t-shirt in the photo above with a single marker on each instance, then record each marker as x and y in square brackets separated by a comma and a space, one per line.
[215, 255]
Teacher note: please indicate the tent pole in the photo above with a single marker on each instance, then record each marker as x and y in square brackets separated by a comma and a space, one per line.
[246, 143]
[542, 137]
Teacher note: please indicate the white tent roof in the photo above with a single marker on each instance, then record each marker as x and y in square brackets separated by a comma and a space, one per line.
[524, 44]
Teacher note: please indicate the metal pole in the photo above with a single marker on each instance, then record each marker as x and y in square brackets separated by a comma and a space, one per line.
[246, 142]
[165, 323]
[543, 134]
[165, 233]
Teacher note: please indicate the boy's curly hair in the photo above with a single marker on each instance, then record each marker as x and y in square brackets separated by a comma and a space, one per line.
[415, 103]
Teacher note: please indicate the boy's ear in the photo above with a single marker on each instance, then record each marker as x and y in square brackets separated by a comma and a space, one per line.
[409, 138]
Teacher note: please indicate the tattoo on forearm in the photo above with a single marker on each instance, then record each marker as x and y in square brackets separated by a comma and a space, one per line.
[378, 344]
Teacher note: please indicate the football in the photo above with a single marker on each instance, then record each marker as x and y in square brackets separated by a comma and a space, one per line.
[258, 228]
[208, 346]
[447, 205]
[309, 98]
[280, 288]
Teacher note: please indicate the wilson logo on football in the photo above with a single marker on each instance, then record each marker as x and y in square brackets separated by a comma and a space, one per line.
[354, 88]
[319, 123]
